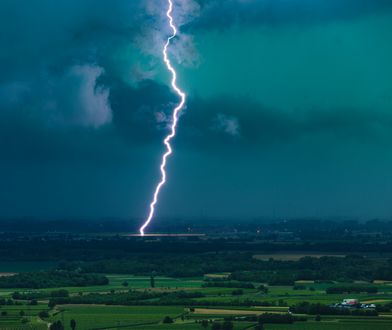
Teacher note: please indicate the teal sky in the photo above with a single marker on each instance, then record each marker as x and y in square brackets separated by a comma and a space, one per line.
[289, 111]
[340, 64]
[340, 68]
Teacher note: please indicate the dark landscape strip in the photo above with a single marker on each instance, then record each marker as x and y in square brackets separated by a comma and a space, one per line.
[125, 326]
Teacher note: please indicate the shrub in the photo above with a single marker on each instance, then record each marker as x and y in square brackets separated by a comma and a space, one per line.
[168, 320]
[237, 292]
[351, 289]
[276, 318]
[59, 293]
[43, 314]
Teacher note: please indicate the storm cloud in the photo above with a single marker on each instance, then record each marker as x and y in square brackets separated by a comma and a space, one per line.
[280, 120]
[222, 14]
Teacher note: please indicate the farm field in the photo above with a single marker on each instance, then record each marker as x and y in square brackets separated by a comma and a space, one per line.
[98, 300]
[134, 282]
[330, 326]
[90, 316]
[108, 316]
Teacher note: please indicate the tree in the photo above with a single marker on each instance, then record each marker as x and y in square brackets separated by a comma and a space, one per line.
[22, 313]
[152, 279]
[167, 320]
[51, 304]
[125, 283]
[43, 314]
[318, 318]
[56, 326]
[216, 326]
[227, 325]
[264, 289]
[59, 293]
[237, 292]
[72, 324]
[204, 324]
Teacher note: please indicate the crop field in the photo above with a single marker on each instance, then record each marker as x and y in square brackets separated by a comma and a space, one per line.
[140, 282]
[112, 316]
[329, 326]
[24, 316]
[11, 318]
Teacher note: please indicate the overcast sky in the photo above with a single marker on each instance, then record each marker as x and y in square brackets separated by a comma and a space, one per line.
[289, 111]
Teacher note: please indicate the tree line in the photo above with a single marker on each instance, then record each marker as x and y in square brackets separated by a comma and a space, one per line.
[243, 267]
[52, 279]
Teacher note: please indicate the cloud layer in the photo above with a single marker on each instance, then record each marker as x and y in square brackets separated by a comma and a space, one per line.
[305, 111]
[222, 14]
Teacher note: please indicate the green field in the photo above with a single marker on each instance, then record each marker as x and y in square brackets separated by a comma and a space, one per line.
[109, 316]
[330, 326]
[150, 317]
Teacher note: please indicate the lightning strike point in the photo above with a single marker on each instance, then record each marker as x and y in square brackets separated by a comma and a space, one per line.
[175, 117]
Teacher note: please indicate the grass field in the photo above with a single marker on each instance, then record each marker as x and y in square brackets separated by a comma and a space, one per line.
[140, 282]
[329, 326]
[89, 317]
[150, 317]
[13, 320]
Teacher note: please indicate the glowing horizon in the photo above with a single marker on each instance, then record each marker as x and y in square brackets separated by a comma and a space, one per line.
[175, 117]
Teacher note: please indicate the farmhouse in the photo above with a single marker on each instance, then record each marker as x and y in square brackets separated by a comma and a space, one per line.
[350, 302]
[353, 303]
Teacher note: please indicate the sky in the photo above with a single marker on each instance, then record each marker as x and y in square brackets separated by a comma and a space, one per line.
[289, 109]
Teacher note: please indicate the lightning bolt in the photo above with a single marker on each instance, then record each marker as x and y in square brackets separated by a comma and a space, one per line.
[175, 117]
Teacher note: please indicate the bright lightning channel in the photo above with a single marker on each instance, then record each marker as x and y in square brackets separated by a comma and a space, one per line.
[175, 117]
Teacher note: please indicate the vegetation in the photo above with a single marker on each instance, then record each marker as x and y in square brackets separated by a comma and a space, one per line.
[276, 318]
[51, 279]
[56, 326]
[191, 284]
[167, 320]
[34, 295]
[244, 268]
[131, 298]
[352, 289]
[228, 284]
[320, 309]
[88, 311]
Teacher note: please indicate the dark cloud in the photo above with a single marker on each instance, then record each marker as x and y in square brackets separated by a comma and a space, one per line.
[208, 125]
[221, 14]
[82, 111]
[141, 114]
[47, 35]
[53, 54]
[68, 89]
